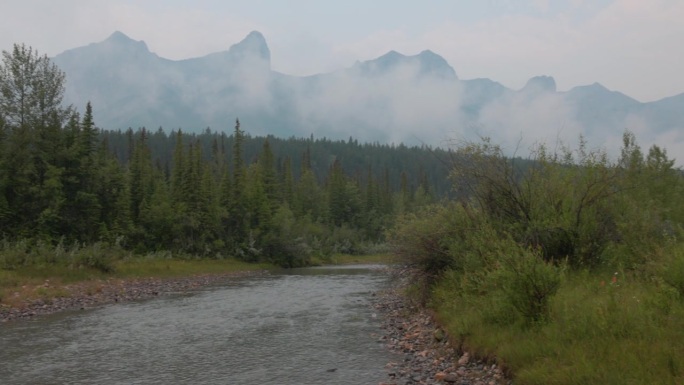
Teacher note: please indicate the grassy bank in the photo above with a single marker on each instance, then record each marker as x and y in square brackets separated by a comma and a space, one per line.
[348, 259]
[566, 268]
[48, 281]
[599, 330]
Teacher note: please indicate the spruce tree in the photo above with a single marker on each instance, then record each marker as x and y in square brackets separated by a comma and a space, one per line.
[238, 212]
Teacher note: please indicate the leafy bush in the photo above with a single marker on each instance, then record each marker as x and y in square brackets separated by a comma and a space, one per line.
[422, 239]
[13, 254]
[528, 283]
[670, 270]
[586, 250]
[96, 256]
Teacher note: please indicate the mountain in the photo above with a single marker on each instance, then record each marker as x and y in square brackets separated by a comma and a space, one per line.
[540, 84]
[392, 98]
[426, 63]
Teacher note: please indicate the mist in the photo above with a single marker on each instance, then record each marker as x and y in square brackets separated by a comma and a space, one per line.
[393, 99]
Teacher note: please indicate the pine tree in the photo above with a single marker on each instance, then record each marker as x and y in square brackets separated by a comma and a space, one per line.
[343, 197]
[86, 198]
[308, 197]
[287, 182]
[268, 177]
[140, 179]
[177, 173]
[238, 212]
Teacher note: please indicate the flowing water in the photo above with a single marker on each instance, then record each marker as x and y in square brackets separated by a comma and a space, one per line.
[302, 326]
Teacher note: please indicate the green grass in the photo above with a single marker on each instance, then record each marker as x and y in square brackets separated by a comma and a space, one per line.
[46, 281]
[167, 268]
[41, 273]
[346, 259]
[599, 332]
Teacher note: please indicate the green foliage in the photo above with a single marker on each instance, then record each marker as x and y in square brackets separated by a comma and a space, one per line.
[597, 331]
[24, 253]
[528, 283]
[31, 89]
[422, 239]
[566, 267]
[287, 245]
[64, 181]
[97, 256]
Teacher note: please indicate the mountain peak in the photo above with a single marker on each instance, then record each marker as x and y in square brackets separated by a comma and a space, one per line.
[594, 88]
[599, 86]
[434, 64]
[428, 53]
[256, 36]
[391, 55]
[541, 83]
[119, 38]
[253, 45]
[428, 63]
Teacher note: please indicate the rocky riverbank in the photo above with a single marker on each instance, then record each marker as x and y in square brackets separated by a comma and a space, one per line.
[90, 294]
[424, 353]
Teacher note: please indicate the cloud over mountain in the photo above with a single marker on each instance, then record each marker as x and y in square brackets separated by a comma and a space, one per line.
[393, 98]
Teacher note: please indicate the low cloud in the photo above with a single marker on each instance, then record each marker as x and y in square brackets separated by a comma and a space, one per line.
[397, 106]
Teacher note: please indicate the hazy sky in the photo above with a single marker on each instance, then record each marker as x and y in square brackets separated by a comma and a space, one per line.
[634, 46]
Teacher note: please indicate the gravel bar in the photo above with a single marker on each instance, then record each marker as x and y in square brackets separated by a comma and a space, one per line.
[424, 354]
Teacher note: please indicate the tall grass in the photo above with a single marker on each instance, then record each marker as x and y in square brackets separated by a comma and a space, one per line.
[348, 259]
[34, 269]
[39, 254]
[166, 268]
[568, 270]
[598, 332]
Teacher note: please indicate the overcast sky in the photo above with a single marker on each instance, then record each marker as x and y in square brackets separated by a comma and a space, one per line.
[633, 46]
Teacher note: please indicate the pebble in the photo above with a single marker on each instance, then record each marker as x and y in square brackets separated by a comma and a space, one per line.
[83, 296]
[425, 355]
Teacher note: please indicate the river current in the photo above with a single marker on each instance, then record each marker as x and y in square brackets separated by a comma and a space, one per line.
[300, 326]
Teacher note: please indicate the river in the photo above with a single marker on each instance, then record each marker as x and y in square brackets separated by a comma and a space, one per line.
[300, 326]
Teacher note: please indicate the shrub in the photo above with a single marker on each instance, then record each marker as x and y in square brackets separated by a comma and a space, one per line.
[672, 270]
[14, 254]
[528, 283]
[422, 239]
[93, 257]
[507, 247]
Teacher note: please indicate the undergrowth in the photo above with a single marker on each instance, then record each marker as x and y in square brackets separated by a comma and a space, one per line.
[566, 268]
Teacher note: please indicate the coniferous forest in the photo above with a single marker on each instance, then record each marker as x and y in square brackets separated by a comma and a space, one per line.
[64, 181]
[568, 266]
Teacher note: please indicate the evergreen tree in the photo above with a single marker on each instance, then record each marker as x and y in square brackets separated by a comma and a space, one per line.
[31, 91]
[267, 173]
[140, 178]
[238, 213]
[287, 182]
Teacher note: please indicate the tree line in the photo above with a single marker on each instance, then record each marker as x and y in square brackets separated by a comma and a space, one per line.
[64, 181]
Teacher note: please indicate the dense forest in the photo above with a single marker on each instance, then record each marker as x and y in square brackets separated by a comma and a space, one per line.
[568, 266]
[64, 181]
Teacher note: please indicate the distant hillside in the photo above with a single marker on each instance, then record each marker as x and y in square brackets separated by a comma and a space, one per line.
[419, 164]
[394, 98]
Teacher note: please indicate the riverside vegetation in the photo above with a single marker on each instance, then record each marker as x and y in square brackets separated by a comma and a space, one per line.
[565, 268]
[568, 269]
[66, 184]
[82, 203]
